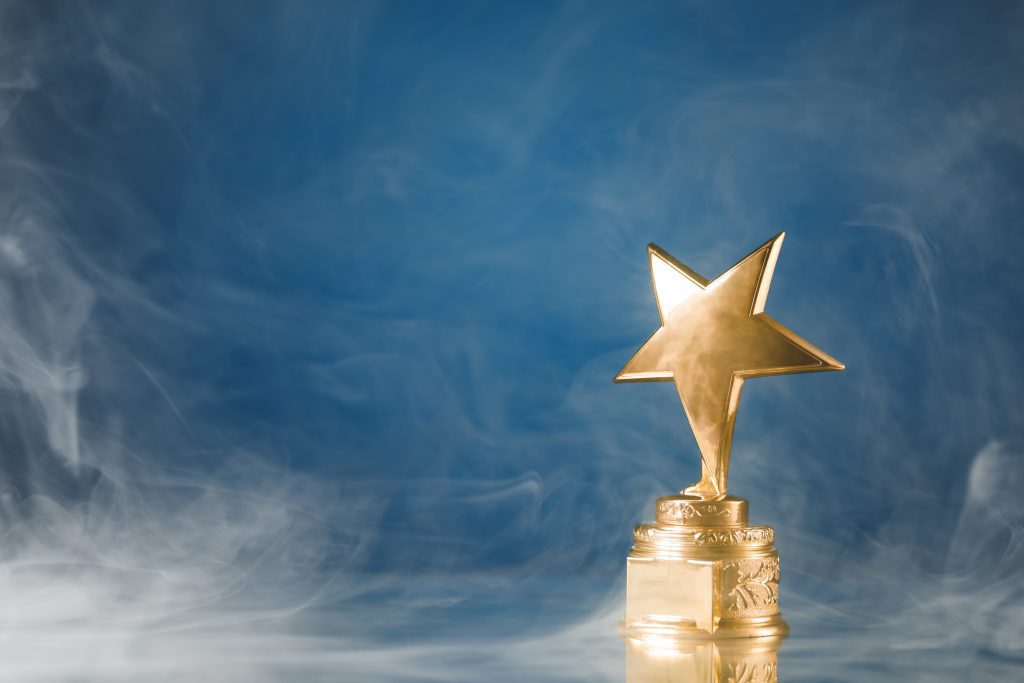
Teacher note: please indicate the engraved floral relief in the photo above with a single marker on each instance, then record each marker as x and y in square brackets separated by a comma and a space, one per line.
[686, 513]
[751, 536]
[753, 587]
[751, 672]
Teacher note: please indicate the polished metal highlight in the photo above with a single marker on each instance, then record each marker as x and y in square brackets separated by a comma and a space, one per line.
[700, 570]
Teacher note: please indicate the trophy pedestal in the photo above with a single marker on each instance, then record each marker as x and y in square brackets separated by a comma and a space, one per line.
[700, 572]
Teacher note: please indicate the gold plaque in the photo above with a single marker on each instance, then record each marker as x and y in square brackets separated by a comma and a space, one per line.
[700, 570]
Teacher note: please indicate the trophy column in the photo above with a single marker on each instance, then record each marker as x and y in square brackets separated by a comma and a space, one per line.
[700, 571]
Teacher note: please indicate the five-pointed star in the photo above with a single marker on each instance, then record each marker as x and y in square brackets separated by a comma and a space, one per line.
[713, 336]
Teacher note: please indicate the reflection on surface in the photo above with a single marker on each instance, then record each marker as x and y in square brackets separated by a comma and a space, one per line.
[670, 660]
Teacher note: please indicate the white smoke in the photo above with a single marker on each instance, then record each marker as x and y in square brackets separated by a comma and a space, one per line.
[144, 540]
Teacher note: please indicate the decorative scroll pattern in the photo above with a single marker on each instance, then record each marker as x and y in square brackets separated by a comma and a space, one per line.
[753, 587]
[730, 537]
[681, 514]
[719, 538]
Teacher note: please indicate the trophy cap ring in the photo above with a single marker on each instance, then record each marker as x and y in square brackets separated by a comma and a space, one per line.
[687, 510]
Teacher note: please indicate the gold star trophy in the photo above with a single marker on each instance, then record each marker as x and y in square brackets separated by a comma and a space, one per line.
[700, 571]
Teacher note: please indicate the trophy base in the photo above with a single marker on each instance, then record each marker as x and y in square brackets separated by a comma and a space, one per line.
[699, 572]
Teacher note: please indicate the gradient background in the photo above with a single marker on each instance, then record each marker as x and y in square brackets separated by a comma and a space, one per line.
[309, 314]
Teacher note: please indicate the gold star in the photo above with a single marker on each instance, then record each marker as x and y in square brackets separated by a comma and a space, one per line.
[713, 336]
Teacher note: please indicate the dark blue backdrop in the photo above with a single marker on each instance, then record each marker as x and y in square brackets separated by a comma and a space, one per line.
[311, 309]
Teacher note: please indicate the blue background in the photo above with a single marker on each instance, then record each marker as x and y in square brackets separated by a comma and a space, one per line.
[310, 313]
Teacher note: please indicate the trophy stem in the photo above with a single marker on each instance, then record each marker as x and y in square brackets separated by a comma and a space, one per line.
[701, 572]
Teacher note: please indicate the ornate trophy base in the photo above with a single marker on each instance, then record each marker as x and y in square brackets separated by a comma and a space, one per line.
[700, 572]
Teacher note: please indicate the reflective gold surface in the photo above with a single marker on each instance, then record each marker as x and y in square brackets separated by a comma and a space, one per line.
[701, 572]
[714, 335]
[669, 660]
